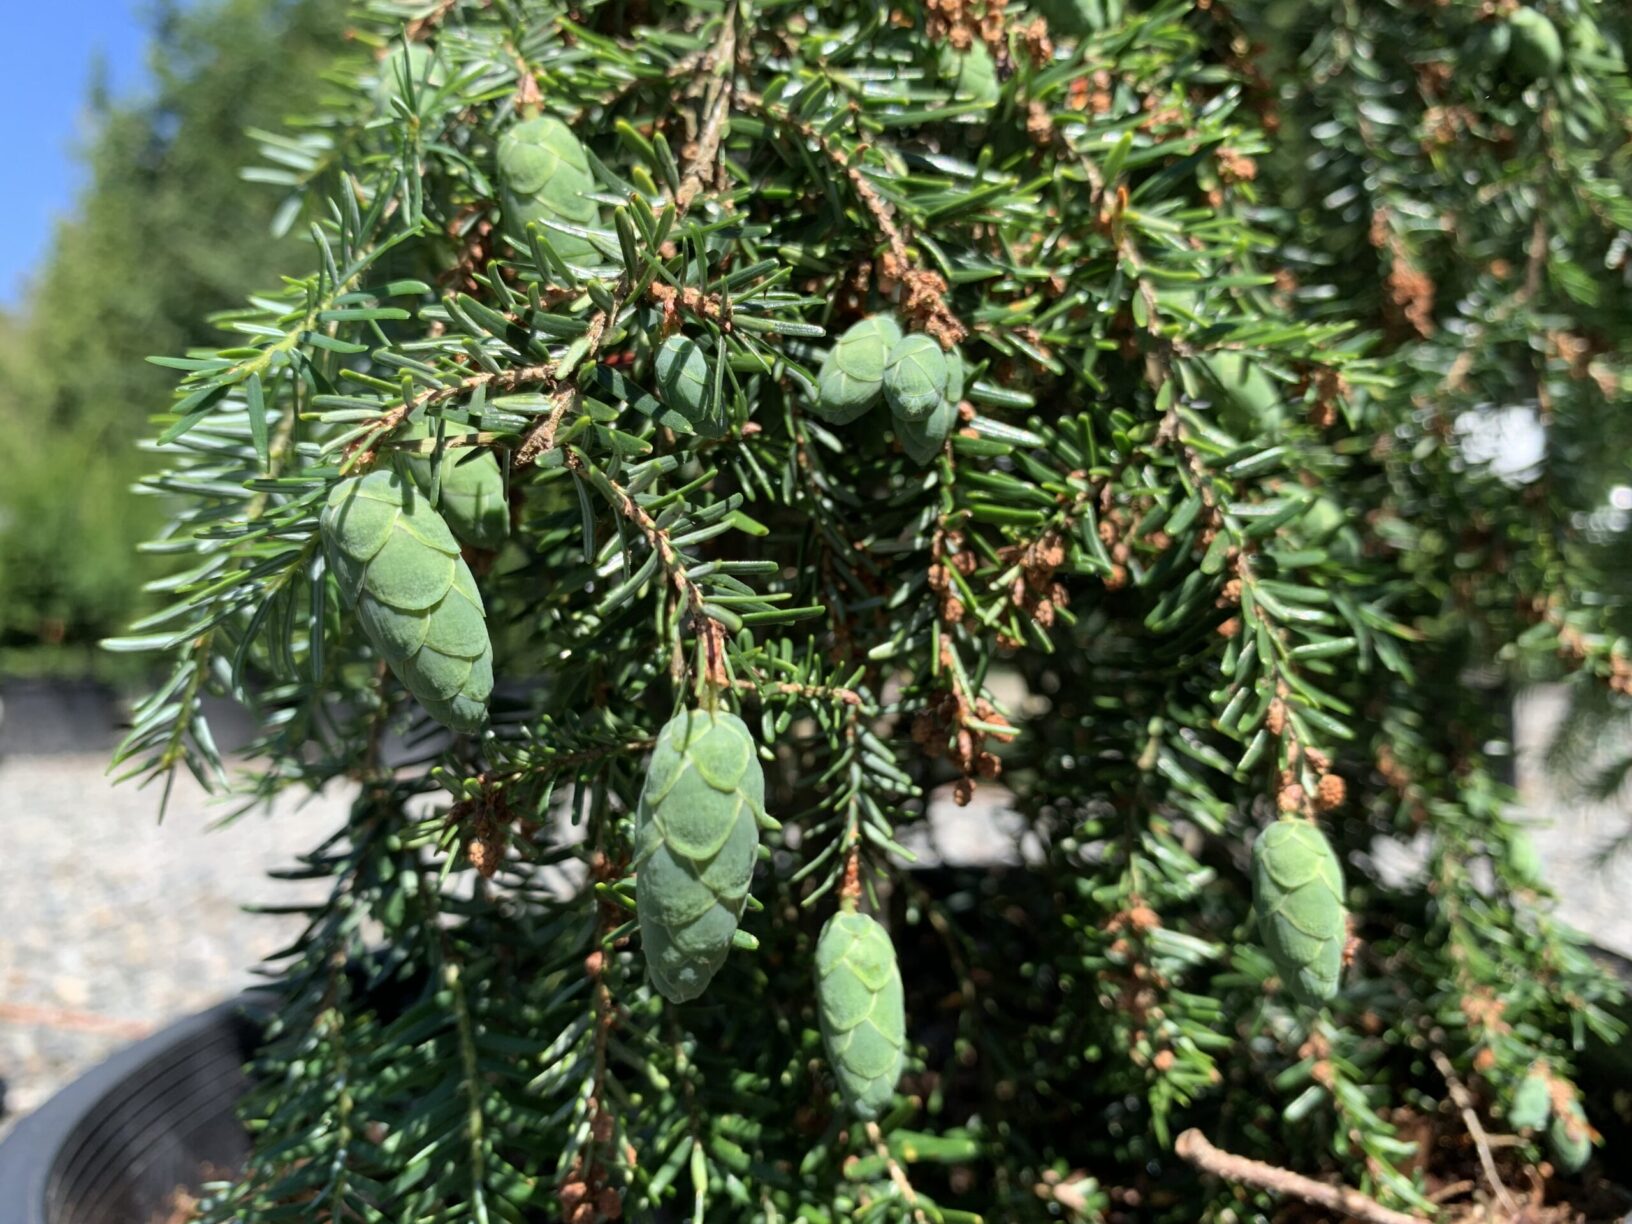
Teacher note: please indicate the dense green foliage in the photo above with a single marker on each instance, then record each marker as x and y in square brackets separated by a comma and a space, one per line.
[166, 231]
[1204, 544]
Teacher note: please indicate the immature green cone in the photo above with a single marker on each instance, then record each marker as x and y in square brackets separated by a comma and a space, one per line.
[696, 840]
[471, 493]
[922, 440]
[851, 379]
[399, 569]
[544, 176]
[915, 377]
[1297, 891]
[858, 996]
[1569, 1138]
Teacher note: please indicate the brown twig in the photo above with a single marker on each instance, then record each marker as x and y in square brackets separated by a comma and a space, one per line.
[830, 692]
[709, 630]
[502, 380]
[541, 437]
[1194, 1147]
[898, 1175]
[926, 290]
[1481, 1142]
[866, 194]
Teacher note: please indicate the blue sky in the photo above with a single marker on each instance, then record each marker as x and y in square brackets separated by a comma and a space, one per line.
[46, 58]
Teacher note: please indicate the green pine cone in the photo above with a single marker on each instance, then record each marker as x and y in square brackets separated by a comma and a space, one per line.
[858, 996]
[1536, 51]
[1532, 1103]
[916, 377]
[471, 490]
[1570, 1138]
[922, 440]
[696, 842]
[1297, 891]
[399, 569]
[544, 176]
[851, 378]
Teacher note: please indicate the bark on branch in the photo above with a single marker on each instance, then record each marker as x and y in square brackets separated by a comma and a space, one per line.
[1194, 1147]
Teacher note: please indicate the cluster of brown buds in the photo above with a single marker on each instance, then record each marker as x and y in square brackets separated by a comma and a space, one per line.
[585, 1197]
[943, 730]
[947, 553]
[960, 22]
[1291, 795]
[1035, 590]
[488, 819]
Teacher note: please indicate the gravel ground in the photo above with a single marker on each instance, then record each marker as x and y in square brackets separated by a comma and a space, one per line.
[112, 924]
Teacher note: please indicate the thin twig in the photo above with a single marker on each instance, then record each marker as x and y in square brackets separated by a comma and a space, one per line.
[898, 1175]
[1464, 1102]
[1194, 1147]
[709, 630]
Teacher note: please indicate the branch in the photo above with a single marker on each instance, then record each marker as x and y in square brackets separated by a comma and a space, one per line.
[709, 630]
[898, 1175]
[1470, 1119]
[1194, 1147]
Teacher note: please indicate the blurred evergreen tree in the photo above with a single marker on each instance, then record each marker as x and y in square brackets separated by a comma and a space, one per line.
[165, 232]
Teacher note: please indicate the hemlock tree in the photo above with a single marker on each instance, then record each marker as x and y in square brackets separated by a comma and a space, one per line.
[712, 438]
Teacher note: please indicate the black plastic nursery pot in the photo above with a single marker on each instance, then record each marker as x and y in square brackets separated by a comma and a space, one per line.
[116, 1144]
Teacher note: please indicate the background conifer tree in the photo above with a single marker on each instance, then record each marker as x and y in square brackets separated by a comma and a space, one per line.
[1074, 409]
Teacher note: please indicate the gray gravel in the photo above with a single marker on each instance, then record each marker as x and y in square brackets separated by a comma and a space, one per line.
[111, 923]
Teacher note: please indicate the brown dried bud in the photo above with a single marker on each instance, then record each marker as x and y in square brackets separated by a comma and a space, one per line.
[937, 577]
[1163, 1061]
[609, 1203]
[963, 791]
[988, 766]
[1330, 792]
[1290, 798]
[923, 728]
[573, 1192]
